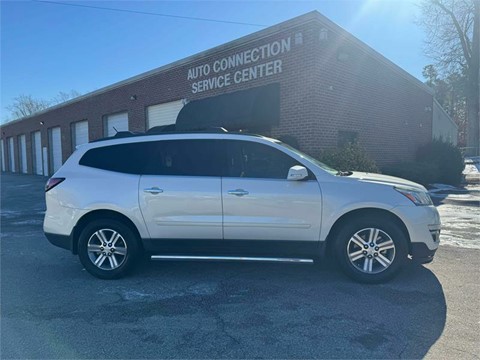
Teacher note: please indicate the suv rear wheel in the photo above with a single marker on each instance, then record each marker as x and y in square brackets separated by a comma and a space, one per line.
[107, 248]
[371, 250]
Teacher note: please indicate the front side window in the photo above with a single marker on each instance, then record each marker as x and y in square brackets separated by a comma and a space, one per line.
[255, 160]
[309, 158]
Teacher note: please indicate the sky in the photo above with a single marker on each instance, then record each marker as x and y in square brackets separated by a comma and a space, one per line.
[47, 48]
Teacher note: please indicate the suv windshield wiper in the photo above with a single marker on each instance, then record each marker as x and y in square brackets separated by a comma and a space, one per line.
[344, 173]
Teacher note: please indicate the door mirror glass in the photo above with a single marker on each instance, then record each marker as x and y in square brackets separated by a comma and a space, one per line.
[297, 172]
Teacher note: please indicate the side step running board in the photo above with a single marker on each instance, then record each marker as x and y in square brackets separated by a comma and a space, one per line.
[231, 258]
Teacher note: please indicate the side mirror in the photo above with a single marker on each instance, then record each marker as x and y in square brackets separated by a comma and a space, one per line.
[297, 172]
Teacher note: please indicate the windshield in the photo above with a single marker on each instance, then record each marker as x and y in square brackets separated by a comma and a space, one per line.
[309, 158]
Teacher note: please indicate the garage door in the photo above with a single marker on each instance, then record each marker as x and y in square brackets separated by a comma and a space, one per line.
[55, 145]
[116, 121]
[80, 133]
[37, 153]
[11, 155]
[2, 149]
[22, 153]
[45, 160]
[163, 114]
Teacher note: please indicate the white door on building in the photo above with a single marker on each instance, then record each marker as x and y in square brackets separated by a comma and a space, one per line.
[163, 114]
[116, 122]
[55, 145]
[45, 160]
[11, 155]
[22, 153]
[37, 153]
[80, 133]
[2, 149]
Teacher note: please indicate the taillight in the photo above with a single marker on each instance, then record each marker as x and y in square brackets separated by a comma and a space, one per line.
[52, 182]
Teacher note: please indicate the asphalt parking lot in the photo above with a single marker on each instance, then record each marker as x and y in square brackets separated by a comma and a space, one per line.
[52, 308]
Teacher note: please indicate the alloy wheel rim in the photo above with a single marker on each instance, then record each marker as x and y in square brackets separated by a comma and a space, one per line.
[107, 249]
[371, 250]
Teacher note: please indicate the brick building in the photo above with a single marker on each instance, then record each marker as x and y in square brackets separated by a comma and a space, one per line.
[309, 78]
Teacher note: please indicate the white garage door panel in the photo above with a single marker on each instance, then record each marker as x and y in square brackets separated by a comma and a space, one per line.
[45, 160]
[11, 155]
[4, 168]
[81, 133]
[22, 150]
[117, 121]
[56, 148]
[163, 114]
[37, 153]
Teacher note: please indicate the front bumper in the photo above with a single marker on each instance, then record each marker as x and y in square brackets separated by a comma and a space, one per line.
[421, 253]
[423, 226]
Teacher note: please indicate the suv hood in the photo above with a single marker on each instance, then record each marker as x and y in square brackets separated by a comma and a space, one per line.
[385, 179]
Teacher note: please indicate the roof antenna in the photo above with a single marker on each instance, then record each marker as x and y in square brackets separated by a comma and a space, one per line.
[115, 130]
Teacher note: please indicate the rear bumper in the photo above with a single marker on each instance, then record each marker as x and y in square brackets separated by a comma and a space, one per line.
[63, 241]
[421, 253]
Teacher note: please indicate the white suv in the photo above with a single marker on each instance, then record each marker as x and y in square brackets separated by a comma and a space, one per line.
[232, 196]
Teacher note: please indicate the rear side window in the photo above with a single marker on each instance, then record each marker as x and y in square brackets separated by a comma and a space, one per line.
[168, 157]
[186, 158]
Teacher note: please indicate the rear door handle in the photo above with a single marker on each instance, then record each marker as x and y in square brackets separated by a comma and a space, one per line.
[153, 190]
[238, 192]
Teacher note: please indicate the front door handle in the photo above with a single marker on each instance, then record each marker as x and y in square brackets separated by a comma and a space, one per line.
[153, 190]
[238, 192]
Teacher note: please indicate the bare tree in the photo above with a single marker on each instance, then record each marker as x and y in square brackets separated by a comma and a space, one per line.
[25, 105]
[63, 96]
[453, 42]
[450, 93]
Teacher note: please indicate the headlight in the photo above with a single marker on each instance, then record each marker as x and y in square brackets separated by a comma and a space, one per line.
[419, 198]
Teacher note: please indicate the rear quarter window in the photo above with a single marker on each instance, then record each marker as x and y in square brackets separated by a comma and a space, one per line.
[125, 158]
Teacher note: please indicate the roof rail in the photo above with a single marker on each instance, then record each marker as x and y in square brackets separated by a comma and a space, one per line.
[164, 129]
[118, 135]
[156, 130]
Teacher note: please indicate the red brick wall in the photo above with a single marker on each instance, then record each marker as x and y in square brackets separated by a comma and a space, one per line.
[391, 114]
[319, 96]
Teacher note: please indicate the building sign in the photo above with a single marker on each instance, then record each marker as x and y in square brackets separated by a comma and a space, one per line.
[251, 64]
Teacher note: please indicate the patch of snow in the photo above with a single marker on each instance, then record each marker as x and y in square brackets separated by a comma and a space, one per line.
[471, 169]
[460, 225]
[29, 222]
[443, 187]
[472, 165]
[439, 186]
[9, 214]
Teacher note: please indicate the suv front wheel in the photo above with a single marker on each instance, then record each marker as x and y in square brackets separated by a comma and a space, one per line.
[107, 248]
[371, 250]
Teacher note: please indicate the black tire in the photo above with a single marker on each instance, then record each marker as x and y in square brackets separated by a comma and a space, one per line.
[123, 254]
[360, 269]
